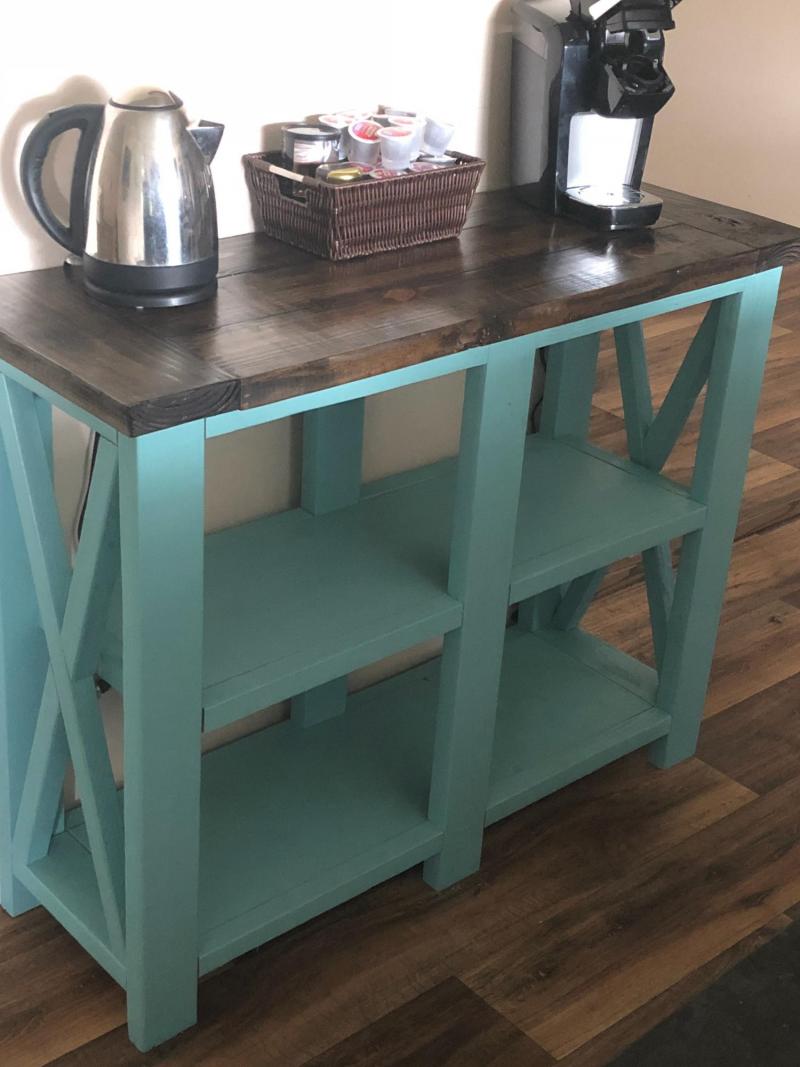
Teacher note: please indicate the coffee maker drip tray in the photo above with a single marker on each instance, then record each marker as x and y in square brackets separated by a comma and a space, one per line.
[615, 207]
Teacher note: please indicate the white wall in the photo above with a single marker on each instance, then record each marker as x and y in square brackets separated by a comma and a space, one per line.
[253, 66]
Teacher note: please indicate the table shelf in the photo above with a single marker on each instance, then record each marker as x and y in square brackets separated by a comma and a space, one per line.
[294, 600]
[295, 821]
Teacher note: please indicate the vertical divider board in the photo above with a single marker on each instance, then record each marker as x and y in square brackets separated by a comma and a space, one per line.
[566, 412]
[333, 445]
[493, 433]
[637, 404]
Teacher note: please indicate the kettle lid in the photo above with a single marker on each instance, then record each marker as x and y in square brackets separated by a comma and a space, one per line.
[146, 98]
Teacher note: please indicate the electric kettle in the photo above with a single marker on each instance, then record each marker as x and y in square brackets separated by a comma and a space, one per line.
[141, 209]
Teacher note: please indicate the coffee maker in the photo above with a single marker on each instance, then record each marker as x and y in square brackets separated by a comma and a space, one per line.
[588, 79]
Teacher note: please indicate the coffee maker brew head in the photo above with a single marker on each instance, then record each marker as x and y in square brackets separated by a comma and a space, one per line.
[627, 53]
[588, 78]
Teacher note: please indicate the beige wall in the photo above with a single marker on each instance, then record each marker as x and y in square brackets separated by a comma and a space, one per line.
[732, 131]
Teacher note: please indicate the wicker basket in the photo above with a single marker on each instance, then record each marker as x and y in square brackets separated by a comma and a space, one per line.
[345, 221]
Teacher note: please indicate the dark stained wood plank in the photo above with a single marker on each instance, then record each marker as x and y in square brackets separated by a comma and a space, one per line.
[777, 241]
[484, 307]
[53, 996]
[606, 954]
[285, 323]
[448, 1025]
[757, 741]
[103, 359]
[601, 1050]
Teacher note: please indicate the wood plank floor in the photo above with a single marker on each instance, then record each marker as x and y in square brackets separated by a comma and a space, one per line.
[597, 912]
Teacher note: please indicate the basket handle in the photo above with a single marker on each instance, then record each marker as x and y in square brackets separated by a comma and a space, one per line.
[302, 179]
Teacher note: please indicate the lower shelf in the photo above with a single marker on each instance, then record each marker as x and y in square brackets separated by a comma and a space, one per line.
[568, 705]
[295, 821]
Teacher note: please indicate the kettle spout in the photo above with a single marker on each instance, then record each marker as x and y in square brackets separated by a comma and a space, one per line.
[207, 135]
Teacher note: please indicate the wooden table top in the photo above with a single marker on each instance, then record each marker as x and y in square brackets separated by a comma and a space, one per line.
[285, 323]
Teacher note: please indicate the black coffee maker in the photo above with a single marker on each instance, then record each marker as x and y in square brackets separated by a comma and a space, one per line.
[588, 78]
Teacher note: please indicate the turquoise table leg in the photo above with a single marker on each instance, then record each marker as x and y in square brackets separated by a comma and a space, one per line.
[23, 667]
[736, 370]
[566, 412]
[489, 476]
[161, 526]
[333, 441]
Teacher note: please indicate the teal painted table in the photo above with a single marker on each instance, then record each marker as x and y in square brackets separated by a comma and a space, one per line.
[198, 860]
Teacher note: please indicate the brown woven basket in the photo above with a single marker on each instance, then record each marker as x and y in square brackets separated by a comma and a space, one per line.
[344, 221]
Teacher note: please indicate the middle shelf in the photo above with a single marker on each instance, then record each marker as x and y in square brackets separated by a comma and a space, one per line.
[294, 600]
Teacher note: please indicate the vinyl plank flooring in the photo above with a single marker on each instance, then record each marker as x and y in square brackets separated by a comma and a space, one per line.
[53, 996]
[757, 742]
[611, 1042]
[756, 649]
[571, 976]
[748, 1018]
[781, 441]
[448, 1026]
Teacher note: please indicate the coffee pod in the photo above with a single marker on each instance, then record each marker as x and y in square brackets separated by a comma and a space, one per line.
[396, 111]
[338, 122]
[437, 138]
[436, 162]
[397, 144]
[362, 142]
[416, 125]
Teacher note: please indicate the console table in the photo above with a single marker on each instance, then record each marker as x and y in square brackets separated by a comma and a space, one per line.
[201, 858]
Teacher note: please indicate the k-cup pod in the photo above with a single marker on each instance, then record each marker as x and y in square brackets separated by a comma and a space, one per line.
[339, 122]
[397, 145]
[436, 162]
[363, 145]
[382, 173]
[342, 119]
[305, 146]
[416, 124]
[437, 137]
[391, 111]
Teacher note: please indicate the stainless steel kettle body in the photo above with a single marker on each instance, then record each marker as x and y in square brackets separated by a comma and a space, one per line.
[142, 211]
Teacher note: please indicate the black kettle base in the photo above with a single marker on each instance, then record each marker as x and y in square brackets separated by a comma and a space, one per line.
[131, 286]
[167, 299]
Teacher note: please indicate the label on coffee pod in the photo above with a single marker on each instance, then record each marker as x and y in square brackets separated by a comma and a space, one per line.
[381, 173]
[365, 131]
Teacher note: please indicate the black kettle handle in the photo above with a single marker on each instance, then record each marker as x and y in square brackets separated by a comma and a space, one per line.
[88, 119]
